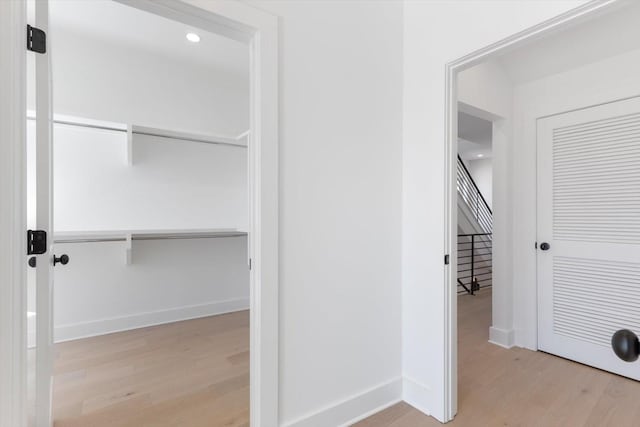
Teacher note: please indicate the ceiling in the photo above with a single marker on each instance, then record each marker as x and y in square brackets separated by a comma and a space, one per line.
[613, 33]
[109, 20]
[474, 137]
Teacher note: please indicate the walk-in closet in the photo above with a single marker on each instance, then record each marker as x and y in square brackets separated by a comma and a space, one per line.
[150, 141]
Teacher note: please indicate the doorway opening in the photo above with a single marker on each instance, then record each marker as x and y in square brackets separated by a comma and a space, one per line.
[474, 239]
[157, 237]
[517, 85]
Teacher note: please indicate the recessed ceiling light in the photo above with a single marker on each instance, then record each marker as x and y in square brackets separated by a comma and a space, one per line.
[193, 37]
[480, 155]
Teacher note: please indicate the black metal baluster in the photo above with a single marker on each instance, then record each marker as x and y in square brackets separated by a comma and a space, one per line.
[473, 249]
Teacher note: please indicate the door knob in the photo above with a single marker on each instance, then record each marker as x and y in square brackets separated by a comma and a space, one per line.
[62, 259]
[545, 246]
[626, 345]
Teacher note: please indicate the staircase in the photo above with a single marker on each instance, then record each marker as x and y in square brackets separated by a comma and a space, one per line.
[475, 225]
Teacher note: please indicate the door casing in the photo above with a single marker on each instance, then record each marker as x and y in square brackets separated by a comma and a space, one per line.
[572, 17]
[13, 295]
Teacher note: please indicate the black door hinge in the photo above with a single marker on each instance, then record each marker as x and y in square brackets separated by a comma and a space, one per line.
[36, 40]
[36, 242]
[249, 263]
[446, 259]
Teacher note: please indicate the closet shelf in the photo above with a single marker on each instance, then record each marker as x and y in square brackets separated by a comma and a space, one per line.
[189, 136]
[124, 235]
[128, 236]
[131, 130]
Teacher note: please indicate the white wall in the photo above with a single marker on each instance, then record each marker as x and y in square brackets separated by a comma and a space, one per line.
[172, 184]
[168, 280]
[106, 80]
[340, 211]
[481, 171]
[607, 80]
[486, 86]
[436, 32]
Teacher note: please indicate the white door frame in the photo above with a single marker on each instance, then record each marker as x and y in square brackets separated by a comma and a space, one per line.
[232, 19]
[584, 12]
[13, 214]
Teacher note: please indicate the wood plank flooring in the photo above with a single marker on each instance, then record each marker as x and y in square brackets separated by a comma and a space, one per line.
[191, 373]
[196, 373]
[517, 387]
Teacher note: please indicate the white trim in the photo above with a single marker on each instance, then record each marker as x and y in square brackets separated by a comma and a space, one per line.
[586, 11]
[502, 337]
[233, 19]
[94, 328]
[417, 394]
[13, 301]
[355, 408]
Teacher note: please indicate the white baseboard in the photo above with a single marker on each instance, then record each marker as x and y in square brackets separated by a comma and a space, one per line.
[417, 395]
[118, 324]
[353, 409]
[502, 337]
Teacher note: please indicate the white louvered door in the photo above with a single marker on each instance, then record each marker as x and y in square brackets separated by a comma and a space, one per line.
[589, 214]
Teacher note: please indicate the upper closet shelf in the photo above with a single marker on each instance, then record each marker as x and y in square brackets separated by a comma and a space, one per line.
[63, 119]
[131, 130]
[188, 136]
[122, 235]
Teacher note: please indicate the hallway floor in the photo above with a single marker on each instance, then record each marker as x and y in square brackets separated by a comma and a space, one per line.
[517, 387]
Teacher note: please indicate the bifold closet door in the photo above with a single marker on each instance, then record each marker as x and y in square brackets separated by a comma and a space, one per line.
[588, 256]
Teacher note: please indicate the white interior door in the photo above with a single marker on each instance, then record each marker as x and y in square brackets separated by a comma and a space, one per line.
[43, 221]
[589, 215]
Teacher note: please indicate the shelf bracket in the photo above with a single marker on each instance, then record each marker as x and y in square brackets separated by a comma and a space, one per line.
[128, 250]
[129, 145]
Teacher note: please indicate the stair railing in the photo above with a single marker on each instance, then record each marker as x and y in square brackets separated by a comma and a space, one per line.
[475, 257]
[473, 198]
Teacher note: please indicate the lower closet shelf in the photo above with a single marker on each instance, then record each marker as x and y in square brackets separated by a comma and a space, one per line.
[128, 236]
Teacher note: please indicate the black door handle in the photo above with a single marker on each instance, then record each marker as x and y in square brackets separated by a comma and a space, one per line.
[545, 246]
[62, 259]
[626, 345]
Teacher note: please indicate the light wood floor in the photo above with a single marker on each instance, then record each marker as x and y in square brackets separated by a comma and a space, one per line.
[517, 387]
[187, 374]
[196, 373]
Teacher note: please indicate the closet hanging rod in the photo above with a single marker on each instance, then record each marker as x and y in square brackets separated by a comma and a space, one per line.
[238, 234]
[105, 239]
[124, 239]
[160, 133]
[203, 140]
